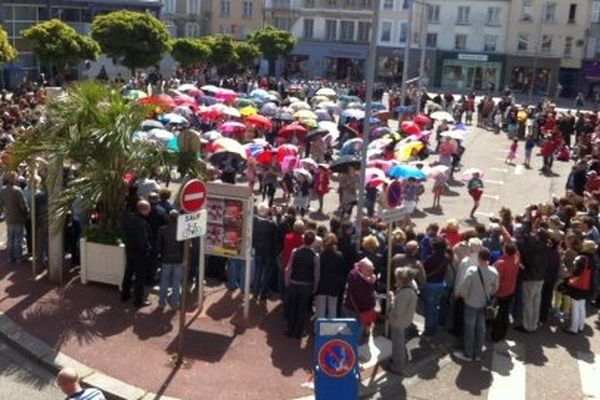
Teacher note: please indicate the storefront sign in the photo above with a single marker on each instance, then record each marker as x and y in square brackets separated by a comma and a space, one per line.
[341, 53]
[473, 57]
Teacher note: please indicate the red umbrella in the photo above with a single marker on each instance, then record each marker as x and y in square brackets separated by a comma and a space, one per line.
[286, 150]
[164, 101]
[259, 121]
[185, 100]
[195, 92]
[422, 120]
[410, 128]
[292, 129]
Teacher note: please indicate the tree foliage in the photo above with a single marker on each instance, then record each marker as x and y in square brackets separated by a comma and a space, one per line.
[272, 42]
[190, 52]
[246, 53]
[59, 44]
[222, 49]
[133, 39]
[7, 52]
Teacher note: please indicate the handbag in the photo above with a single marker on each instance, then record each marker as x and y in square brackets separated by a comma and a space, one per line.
[491, 306]
[582, 281]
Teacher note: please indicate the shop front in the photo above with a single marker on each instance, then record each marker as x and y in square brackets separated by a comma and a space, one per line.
[520, 75]
[466, 71]
[390, 63]
[591, 76]
[335, 61]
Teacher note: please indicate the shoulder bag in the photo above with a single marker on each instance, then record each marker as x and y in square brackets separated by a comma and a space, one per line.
[491, 306]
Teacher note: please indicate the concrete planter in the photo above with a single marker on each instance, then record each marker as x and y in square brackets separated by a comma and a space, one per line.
[102, 263]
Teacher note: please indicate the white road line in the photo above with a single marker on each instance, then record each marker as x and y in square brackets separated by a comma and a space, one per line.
[589, 371]
[491, 196]
[484, 214]
[499, 169]
[519, 169]
[503, 159]
[508, 374]
[493, 182]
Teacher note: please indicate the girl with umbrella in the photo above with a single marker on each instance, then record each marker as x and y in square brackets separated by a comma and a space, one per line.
[347, 190]
[302, 190]
[321, 185]
[475, 187]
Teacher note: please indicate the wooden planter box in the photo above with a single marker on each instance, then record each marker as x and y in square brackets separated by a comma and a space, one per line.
[102, 263]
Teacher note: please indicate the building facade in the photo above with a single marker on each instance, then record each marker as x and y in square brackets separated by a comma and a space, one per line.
[236, 18]
[545, 46]
[590, 82]
[186, 18]
[17, 15]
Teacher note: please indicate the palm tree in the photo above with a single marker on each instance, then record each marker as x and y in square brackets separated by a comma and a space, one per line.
[91, 128]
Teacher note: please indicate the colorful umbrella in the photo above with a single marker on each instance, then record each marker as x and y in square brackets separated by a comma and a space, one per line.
[353, 113]
[160, 135]
[323, 115]
[377, 106]
[210, 88]
[286, 150]
[408, 150]
[351, 146]
[326, 92]
[183, 99]
[173, 119]
[406, 171]
[186, 87]
[421, 120]
[259, 121]
[226, 94]
[305, 114]
[165, 102]
[248, 111]
[211, 136]
[231, 127]
[269, 109]
[380, 132]
[229, 145]
[437, 170]
[410, 128]
[309, 164]
[380, 143]
[292, 129]
[383, 165]
[259, 93]
[343, 163]
[331, 106]
[246, 103]
[459, 127]
[135, 94]
[299, 105]
[310, 123]
[442, 116]
[151, 124]
[232, 112]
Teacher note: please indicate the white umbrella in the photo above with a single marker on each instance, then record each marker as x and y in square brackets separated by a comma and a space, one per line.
[186, 86]
[160, 135]
[210, 88]
[329, 92]
[232, 112]
[300, 105]
[442, 116]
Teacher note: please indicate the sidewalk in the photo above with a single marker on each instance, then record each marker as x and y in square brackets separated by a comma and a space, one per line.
[226, 357]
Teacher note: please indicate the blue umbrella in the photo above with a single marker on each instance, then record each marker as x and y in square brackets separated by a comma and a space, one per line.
[351, 147]
[151, 124]
[259, 93]
[172, 118]
[406, 171]
[208, 100]
[459, 127]
[377, 106]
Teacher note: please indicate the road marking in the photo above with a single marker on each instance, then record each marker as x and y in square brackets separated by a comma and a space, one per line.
[193, 196]
[503, 159]
[508, 373]
[491, 196]
[519, 169]
[484, 214]
[493, 182]
[589, 371]
[499, 169]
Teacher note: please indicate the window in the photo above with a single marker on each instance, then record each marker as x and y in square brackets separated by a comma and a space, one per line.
[347, 31]
[489, 43]
[192, 29]
[309, 3]
[331, 3]
[550, 12]
[463, 15]
[193, 7]
[247, 9]
[572, 13]
[281, 23]
[596, 12]
[433, 14]
[493, 16]
[568, 46]
[388, 4]
[309, 27]
[225, 8]
[403, 32]
[364, 32]
[546, 46]
[527, 10]
[523, 43]
[350, 2]
[169, 6]
[386, 32]
[331, 29]
[246, 30]
[460, 42]
[431, 40]
[225, 29]
[404, 4]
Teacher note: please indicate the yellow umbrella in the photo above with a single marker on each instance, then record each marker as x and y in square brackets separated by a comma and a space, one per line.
[407, 151]
[310, 123]
[229, 145]
[305, 114]
[248, 111]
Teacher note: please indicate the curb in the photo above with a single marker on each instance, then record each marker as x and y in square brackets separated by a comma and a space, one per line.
[53, 360]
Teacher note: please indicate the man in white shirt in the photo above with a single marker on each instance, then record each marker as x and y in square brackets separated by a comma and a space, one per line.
[475, 245]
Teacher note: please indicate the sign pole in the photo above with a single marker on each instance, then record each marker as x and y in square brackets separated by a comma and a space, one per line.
[248, 260]
[201, 272]
[388, 284]
[34, 243]
[183, 305]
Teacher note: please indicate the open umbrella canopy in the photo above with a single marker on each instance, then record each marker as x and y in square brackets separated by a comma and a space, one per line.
[226, 95]
[330, 106]
[299, 105]
[442, 116]
[329, 92]
[173, 119]
[259, 121]
[421, 120]
[470, 173]
[232, 112]
[408, 150]
[248, 111]
[292, 129]
[284, 115]
[229, 145]
[305, 114]
[377, 106]
[458, 135]
[245, 103]
[314, 133]
[309, 123]
[318, 99]
[164, 101]
[349, 99]
[353, 113]
[160, 135]
[341, 164]
[184, 99]
[380, 143]
[351, 146]
[383, 165]
[211, 136]
[151, 124]
[286, 150]
[259, 93]
[432, 172]
[269, 109]
[210, 88]
[323, 115]
[379, 132]
[332, 128]
[410, 128]
[185, 111]
[231, 127]
[186, 87]
[406, 171]
[309, 164]
[135, 94]
[354, 105]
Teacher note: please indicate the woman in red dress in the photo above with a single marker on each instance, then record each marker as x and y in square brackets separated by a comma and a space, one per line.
[321, 185]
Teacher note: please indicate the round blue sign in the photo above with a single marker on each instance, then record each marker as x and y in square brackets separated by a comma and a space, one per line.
[393, 194]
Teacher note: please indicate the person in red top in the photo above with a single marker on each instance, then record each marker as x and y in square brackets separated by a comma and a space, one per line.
[321, 184]
[547, 152]
[593, 182]
[508, 271]
[292, 241]
[450, 233]
[550, 123]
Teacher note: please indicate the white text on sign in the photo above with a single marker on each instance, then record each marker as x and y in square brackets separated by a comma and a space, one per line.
[192, 225]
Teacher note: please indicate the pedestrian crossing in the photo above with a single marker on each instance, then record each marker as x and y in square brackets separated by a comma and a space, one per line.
[508, 373]
[589, 372]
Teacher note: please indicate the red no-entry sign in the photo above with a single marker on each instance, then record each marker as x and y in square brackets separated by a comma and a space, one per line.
[193, 196]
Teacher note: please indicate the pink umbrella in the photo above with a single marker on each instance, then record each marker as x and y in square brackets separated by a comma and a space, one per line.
[447, 148]
[286, 150]
[383, 165]
[309, 164]
[186, 100]
[410, 128]
[226, 95]
[372, 173]
[438, 169]
[468, 174]
[230, 128]
[288, 163]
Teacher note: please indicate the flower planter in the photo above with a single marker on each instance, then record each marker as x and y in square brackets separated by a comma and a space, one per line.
[102, 263]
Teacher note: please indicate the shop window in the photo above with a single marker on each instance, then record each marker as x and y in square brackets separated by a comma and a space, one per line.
[572, 13]
[522, 79]
[364, 32]
[403, 32]
[568, 46]
[309, 26]
[489, 44]
[550, 12]
[523, 42]
[463, 15]
[596, 12]
[493, 16]
[432, 40]
[433, 14]
[546, 46]
[386, 32]
[388, 4]
[20, 27]
[347, 31]
[527, 11]
[460, 42]
[331, 29]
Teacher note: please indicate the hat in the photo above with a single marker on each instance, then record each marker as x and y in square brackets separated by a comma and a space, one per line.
[555, 223]
[588, 247]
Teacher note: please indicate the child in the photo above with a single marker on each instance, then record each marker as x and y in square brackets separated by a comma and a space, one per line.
[251, 173]
[529, 145]
[497, 122]
[439, 186]
[475, 187]
[512, 152]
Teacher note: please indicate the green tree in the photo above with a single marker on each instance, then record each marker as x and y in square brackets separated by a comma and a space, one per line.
[272, 42]
[190, 52]
[7, 52]
[133, 39]
[222, 49]
[246, 53]
[59, 44]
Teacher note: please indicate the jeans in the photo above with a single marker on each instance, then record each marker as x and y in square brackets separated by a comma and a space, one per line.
[235, 274]
[474, 331]
[326, 306]
[263, 275]
[546, 299]
[577, 315]
[14, 242]
[532, 298]
[433, 296]
[170, 277]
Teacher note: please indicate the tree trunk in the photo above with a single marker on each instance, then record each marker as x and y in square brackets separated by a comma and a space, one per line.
[56, 255]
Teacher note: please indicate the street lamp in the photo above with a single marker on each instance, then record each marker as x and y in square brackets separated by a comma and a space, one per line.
[537, 52]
